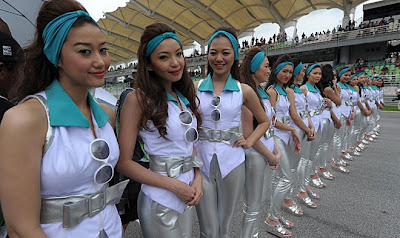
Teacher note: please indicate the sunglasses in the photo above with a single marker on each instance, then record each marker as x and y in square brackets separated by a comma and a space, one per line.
[100, 151]
[216, 113]
[191, 134]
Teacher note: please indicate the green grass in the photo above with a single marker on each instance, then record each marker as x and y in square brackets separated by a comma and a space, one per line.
[390, 108]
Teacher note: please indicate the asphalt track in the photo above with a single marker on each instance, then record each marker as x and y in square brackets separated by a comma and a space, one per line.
[363, 203]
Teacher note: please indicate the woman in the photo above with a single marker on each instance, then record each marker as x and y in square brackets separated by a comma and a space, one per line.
[254, 71]
[328, 88]
[163, 112]
[282, 72]
[315, 104]
[220, 145]
[365, 112]
[305, 129]
[67, 159]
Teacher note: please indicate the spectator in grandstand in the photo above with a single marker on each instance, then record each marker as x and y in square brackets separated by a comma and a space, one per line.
[163, 111]
[64, 154]
[221, 99]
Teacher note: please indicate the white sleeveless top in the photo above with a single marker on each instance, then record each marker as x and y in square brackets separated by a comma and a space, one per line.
[67, 169]
[282, 109]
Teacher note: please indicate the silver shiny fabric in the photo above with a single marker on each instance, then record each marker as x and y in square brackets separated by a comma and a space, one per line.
[158, 221]
[216, 208]
[324, 153]
[337, 144]
[355, 128]
[284, 119]
[364, 125]
[312, 166]
[269, 133]
[345, 131]
[282, 180]
[174, 165]
[227, 136]
[256, 169]
[72, 210]
[313, 112]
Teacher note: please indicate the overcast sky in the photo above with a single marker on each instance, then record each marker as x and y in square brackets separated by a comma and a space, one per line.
[326, 19]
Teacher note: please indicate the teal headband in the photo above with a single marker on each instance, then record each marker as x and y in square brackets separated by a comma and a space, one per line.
[257, 61]
[311, 68]
[153, 43]
[358, 75]
[56, 31]
[281, 66]
[334, 70]
[298, 69]
[352, 76]
[233, 40]
[377, 78]
[343, 71]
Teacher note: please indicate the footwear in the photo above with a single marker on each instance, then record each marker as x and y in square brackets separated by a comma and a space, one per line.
[278, 230]
[317, 183]
[285, 222]
[340, 169]
[327, 175]
[358, 149]
[351, 149]
[307, 202]
[374, 136]
[311, 194]
[347, 156]
[357, 153]
[343, 163]
[364, 141]
[370, 139]
[295, 209]
[362, 146]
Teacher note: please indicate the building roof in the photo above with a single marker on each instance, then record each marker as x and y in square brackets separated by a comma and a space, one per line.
[196, 20]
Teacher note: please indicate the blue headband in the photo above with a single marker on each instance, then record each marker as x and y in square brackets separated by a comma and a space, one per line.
[257, 61]
[343, 71]
[281, 66]
[153, 43]
[56, 31]
[358, 75]
[311, 68]
[377, 78]
[233, 40]
[352, 76]
[298, 69]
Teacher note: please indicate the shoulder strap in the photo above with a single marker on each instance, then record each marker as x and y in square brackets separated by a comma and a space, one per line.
[50, 129]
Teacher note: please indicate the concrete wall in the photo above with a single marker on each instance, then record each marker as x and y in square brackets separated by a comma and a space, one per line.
[373, 51]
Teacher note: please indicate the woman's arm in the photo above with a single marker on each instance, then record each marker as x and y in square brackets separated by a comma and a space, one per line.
[129, 126]
[251, 101]
[22, 136]
[247, 126]
[333, 95]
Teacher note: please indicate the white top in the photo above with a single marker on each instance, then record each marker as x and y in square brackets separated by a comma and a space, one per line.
[269, 143]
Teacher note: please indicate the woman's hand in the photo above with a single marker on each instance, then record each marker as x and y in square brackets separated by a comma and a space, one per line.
[296, 141]
[348, 121]
[328, 102]
[338, 124]
[198, 188]
[184, 192]
[241, 141]
[274, 162]
[312, 134]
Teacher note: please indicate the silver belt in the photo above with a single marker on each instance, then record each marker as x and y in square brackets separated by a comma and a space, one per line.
[314, 112]
[72, 210]
[303, 114]
[348, 103]
[174, 165]
[269, 133]
[227, 136]
[283, 119]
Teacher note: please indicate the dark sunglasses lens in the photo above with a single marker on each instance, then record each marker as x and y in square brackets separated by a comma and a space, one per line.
[191, 135]
[215, 115]
[104, 174]
[100, 149]
[215, 101]
[185, 117]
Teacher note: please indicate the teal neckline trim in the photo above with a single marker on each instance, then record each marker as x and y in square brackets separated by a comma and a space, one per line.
[343, 86]
[207, 85]
[64, 112]
[352, 88]
[296, 88]
[181, 97]
[311, 88]
[262, 93]
[280, 90]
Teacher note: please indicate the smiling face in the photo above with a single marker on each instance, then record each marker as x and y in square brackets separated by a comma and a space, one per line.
[361, 79]
[262, 74]
[354, 81]
[167, 61]
[221, 56]
[345, 77]
[285, 74]
[315, 75]
[84, 59]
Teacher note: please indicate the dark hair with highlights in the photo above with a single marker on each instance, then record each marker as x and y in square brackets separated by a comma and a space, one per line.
[235, 67]
[154, 96]
[38, 71]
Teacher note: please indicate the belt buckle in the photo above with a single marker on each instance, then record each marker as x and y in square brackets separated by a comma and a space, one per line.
[98, 195]
[215, 135]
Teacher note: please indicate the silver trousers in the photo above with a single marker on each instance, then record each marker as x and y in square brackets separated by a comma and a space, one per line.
[337, 142]
[256, 169]
[345, 131]
[312, 163]
[364, 125]
[157, 220]
[355, 128]
[304, 163]
[216, 208]
[281, 180]
[372, 122]
[325, 151]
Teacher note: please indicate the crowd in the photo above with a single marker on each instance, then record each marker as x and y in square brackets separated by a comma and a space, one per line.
[193, 147]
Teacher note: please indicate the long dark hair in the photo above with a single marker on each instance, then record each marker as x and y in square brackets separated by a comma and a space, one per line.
[296, 62]
[38, 71]
[154, 104]
[272, 77]
[245, 71]
[235, 67]
[327, 78]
